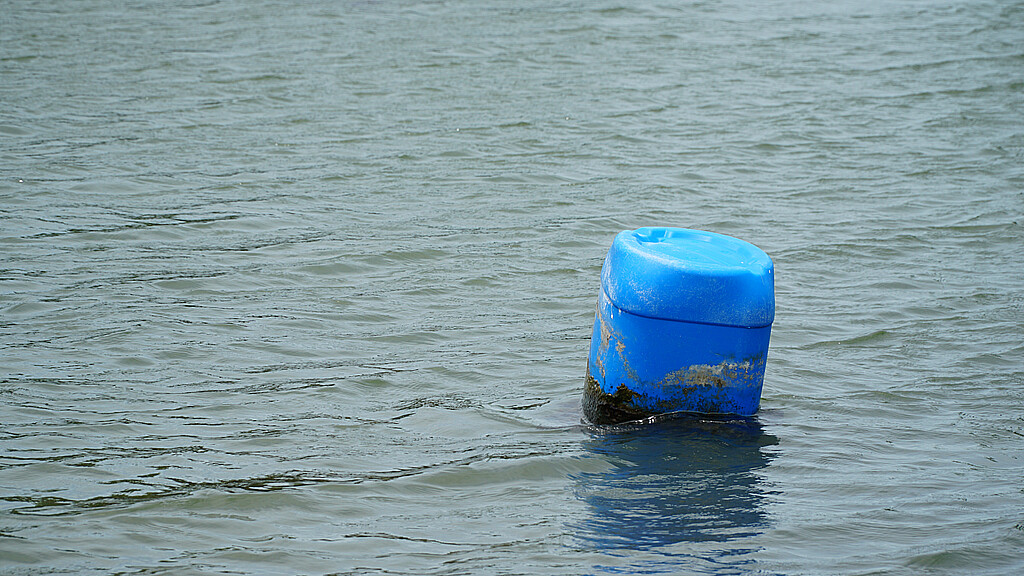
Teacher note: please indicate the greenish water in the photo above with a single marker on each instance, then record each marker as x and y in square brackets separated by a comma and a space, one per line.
[307, 288]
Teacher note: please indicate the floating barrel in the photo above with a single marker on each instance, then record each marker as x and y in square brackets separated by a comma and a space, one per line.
[683, 322]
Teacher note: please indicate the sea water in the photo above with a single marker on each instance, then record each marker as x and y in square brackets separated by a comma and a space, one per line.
[307, 287]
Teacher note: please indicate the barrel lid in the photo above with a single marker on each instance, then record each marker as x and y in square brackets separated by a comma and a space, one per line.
[690, 275]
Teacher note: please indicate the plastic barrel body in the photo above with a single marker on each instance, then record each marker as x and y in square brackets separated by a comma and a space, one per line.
[683, 324]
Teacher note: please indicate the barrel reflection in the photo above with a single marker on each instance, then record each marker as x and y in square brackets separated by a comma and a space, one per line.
[683, 479]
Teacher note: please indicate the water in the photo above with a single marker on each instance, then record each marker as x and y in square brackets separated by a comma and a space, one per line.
[307, 288]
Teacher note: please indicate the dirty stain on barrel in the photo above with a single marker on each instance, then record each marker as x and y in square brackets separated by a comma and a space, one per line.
[702, 388]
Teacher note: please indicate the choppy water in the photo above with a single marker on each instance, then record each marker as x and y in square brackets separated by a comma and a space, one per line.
[306, 288]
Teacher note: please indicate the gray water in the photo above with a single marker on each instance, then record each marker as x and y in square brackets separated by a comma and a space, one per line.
[307, 288]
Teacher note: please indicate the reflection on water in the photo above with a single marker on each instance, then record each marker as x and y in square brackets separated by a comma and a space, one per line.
[686, 479]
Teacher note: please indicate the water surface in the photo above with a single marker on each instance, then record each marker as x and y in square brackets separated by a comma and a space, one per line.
[307, 288]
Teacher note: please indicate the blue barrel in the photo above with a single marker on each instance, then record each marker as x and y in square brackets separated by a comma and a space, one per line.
[683, 322]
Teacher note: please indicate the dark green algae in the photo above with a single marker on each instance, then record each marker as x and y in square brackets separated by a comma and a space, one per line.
[625, 405]
[601, 407]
